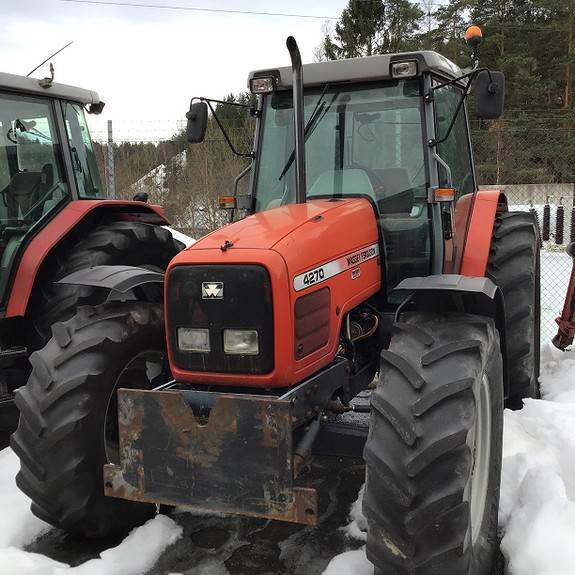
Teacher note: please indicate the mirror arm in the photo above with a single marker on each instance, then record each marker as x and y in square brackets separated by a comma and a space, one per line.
[237, 104]
[237, 179]
[232, 148]
[470, 75]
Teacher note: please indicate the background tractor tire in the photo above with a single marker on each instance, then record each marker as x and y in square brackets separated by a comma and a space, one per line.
[63, 437]
[115, 243]
[433, 454]
[513, 266]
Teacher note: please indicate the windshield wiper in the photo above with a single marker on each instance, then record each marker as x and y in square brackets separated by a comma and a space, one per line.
[320, 109]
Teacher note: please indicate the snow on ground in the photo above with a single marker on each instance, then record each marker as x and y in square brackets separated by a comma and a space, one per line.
[18, 527]
[186, 240]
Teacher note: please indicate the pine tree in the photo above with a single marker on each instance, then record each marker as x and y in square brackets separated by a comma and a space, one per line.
[367, 28]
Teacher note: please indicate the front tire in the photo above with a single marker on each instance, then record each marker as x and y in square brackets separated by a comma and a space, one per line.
[66, 429]
[433, 454]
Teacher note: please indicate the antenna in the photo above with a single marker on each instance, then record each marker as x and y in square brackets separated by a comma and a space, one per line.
[51, 56]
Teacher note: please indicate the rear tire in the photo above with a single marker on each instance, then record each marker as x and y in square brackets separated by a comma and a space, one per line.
[115, 243]
[513, 266]
[433, 453]
[63, 437]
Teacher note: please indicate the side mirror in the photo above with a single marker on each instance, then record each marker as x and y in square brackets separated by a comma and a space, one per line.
[489, 94]
[197, 122]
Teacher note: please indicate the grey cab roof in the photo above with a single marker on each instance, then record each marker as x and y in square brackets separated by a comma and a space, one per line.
[22, 84]
[363, 69]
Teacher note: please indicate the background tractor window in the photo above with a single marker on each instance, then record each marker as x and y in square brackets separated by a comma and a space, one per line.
[83, 159]
[32, 181]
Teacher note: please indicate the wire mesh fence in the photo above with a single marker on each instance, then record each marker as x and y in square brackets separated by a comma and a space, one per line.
[525, 164]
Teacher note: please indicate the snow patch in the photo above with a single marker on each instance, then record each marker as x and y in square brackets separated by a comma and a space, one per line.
[18, 526]
[137, 553]
[350, 563]
[186, 240]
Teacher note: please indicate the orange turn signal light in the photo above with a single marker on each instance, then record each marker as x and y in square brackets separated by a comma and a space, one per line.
[473, 35]
[444, 194]
[227, 202]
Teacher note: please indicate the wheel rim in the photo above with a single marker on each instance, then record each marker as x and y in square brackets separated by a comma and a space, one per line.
[139, 373]
[481, 446]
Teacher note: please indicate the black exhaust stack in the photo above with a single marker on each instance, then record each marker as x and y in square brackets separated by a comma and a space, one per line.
[297, 81]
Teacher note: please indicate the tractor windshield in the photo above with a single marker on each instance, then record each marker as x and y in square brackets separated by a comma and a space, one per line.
[365, 139]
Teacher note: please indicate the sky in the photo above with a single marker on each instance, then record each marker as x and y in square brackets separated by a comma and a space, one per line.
[147, 63]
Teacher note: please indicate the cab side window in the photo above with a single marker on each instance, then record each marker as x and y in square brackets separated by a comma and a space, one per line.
[455, 150]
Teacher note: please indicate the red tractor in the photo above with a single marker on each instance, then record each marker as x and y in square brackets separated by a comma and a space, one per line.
[366, 251]
[566, 321]
[54, 220]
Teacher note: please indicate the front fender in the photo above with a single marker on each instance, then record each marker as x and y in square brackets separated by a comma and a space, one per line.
[458, 293]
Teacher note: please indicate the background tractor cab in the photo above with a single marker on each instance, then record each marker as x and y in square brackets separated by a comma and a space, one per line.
[46, 159]
[54, 219]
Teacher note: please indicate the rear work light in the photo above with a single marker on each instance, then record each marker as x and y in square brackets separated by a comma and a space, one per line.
[404, 69]
[263, 85]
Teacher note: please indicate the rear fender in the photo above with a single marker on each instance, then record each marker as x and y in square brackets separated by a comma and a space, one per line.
[458, 293]
[74, 214]
[486, 204]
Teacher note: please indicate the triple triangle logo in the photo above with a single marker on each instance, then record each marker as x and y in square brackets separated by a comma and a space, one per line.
[212, 290]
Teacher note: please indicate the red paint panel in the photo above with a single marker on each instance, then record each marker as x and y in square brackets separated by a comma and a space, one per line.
[41, 245]
[478, 241]
[289, 241]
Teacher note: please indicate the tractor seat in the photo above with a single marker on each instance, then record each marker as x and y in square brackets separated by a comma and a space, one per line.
[349, 181]
[21, 193]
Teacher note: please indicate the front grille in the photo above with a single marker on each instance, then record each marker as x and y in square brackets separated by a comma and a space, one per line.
[246, 304]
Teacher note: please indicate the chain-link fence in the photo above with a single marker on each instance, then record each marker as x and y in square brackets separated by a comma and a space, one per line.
[187, 181]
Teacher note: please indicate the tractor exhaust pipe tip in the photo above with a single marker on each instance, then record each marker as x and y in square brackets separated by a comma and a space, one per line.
[298, 115]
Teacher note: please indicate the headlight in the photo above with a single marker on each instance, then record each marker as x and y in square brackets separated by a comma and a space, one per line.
[192, 339]
[241, 341]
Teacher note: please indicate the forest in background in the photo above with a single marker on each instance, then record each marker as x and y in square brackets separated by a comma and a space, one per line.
[531, 41]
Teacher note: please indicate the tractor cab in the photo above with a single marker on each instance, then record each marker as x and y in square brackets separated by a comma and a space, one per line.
[389, 128]
[46, 159]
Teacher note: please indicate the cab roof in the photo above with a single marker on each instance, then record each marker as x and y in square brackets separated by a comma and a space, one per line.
[362, 69]
[22, 84]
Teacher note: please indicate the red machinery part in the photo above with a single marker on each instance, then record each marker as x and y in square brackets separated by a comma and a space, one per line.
[566, 322]
[43, 243]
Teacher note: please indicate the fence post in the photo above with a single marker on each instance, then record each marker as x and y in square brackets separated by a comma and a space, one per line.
[111, 171]
[546, 220]
[559, 223]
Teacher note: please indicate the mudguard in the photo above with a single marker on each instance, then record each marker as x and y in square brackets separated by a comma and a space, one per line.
[116, 278]
[458, 293]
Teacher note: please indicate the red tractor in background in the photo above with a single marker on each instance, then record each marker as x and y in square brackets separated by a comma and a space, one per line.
[54, 220]
[566, 321]
[366, 249]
